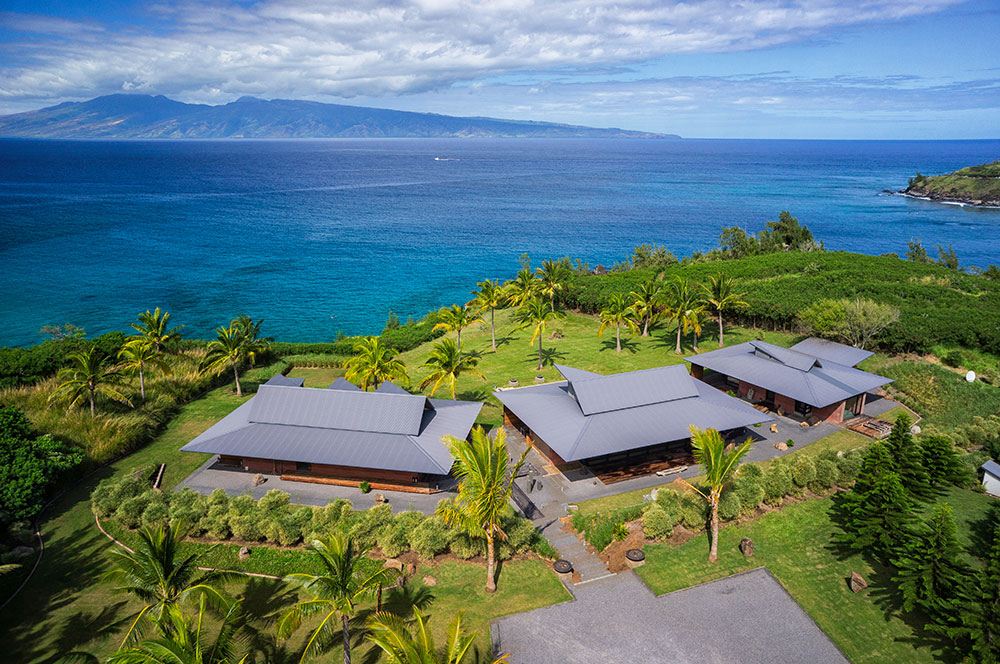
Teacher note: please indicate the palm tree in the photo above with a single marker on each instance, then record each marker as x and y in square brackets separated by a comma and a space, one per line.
[718, 466]
[375, 363]
[683, 305]
[523, 288]
[552, 278]
[334, 593]
[617, 312]
[399, 646]
[719, 294]
[88, 375]
[455, 319]
[154, 326]
[646, 303]
[186, 642]
[235, 345]
[536, 315]
[693, 322]
[138, 355]
[447, 364]
[485, 481]
[156, 577]
[489, 296]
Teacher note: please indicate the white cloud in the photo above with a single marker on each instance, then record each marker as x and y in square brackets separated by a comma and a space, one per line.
[217, 51]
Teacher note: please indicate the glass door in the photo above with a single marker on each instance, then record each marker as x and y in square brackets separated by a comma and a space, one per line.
[851, 407]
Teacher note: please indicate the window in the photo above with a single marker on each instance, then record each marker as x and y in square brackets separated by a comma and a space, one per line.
[732, 382]
[303, 467]
[803, 408]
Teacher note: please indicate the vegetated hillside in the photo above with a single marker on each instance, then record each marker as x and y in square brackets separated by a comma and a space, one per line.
[937, 305]
[145, 116]
[974, 185]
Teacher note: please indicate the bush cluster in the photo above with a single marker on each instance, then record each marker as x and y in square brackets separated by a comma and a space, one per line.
[599, 529]
[26, 366]
[131, 503]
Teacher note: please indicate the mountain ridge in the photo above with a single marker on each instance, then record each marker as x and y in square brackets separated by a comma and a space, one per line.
[156, 116]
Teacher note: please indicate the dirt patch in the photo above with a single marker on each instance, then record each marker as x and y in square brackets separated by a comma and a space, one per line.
[614, 556]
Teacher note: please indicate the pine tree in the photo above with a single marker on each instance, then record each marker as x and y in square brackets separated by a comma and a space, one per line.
[942, 462]
[932, 573]
[877, 511]
[909, 460]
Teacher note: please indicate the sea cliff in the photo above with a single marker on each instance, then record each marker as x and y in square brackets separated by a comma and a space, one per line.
[973, 185]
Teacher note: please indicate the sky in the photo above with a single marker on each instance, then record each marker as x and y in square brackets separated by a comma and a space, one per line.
[868, 69]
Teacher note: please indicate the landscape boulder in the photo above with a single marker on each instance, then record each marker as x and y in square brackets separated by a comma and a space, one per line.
[857, 582]
[392, 563]
[774, 428]
[380, 499]
[781, 447]
[258, 479]
[746, 546]
[244, 552]
[22, 551]
[430, 581]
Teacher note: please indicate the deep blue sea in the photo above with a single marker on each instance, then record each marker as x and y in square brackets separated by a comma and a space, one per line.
[327, 235]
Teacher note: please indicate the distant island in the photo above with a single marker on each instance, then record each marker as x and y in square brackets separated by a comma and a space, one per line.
[147, 116]
[972, 185]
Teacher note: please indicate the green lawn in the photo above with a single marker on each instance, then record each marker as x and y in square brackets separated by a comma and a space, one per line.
[797, 545]
[318, 377]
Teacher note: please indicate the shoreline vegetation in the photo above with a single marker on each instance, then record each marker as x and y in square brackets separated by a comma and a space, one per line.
[121, 406]
[975, 186]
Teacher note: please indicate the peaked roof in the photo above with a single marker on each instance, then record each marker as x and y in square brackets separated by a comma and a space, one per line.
[825, 349]
[991, 467]
[281, 379]
[623, 411]
[390, 429]
[801, 376]
[343, 384]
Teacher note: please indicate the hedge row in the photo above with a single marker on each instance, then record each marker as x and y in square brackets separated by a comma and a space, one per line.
[26, 366]
[132, 504]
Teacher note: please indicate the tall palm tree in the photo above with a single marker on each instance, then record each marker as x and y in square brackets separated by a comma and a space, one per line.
[156, 576]
[154, 326]
[485, 475]
[333, 593]
[490, 296]
[617, 312]
[89, 373]
[401, 646]
[137, 356]
[234, 346]
[684, 305]
[374, 363]
[719, 467]
[693, 322]
[187, 640]
[455, 319]
[523, 288]
[719, 294]
[646, 302]
[552, 278]
[447, 364]
[535, 315]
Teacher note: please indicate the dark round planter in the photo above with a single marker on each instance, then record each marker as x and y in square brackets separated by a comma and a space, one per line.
[635, 555]
[562, 566]
[539, 379]
[512, 382]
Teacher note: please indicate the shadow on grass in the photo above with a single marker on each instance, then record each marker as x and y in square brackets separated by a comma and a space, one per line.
[549, 356]
[628, 345]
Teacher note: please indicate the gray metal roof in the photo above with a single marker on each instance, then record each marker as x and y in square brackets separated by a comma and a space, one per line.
[342, 428]
[343, 384]
[286, 381]
[602, 394]
[992, 467]
[794, 374]
[825, 349]
[391, 388]
[555, 415]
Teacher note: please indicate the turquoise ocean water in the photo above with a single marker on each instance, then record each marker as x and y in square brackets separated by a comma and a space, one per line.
[327, 235]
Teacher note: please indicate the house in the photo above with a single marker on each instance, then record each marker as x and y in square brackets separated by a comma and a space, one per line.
[622, 423]
[815, 378]
[991, 477]
[341, 435]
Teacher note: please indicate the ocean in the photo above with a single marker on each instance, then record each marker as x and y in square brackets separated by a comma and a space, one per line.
[321, 236]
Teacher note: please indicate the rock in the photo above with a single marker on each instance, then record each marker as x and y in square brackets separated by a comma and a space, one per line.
[653, 494]
[746, 546]
[781, 447]
[729, 448]
[22, 551]
[915, 430]
[244, 552]
[430, 581]
[774, 427]
[392, 563]
[380, 499]
[258, 479]
[410, 569]
[780, 412]
[804, 424]
[857, 583]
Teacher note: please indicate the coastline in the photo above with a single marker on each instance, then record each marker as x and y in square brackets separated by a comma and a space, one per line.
[985, 205]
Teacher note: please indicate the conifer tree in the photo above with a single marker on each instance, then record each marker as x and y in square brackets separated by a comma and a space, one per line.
[878, 510]
[908, 457]
[932, 573]
[942, 462]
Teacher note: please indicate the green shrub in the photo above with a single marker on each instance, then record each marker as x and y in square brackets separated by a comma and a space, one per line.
[466, 546]
[777, 483]
[245, 518]
[955, 358]
[188, 507]
[656, 523]
[826, 476]
[216, 519]
[130, 511]
[620, 532]
[337, 514]
[111, 493]
[369, 525]
[292, 524]
[803, 471]
[729, 505]
[365, 487]
[394, 539]
[670, 503]
[694, 512]
[520, 534]
[751, 493]
[156, 514]
[848, 466]
[274, 502]
[750, 471]
[430, 538]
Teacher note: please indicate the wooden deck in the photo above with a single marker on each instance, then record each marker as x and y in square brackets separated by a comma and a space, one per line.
[612, 472]
[868, 426]
[375, 486]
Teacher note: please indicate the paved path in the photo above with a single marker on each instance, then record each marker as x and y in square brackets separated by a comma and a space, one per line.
[747, 618]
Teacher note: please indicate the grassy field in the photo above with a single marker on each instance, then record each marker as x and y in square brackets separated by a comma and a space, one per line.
[66, 607]
[797, 544]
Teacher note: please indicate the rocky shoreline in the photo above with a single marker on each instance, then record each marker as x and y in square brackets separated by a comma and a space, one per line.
[947, 197]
